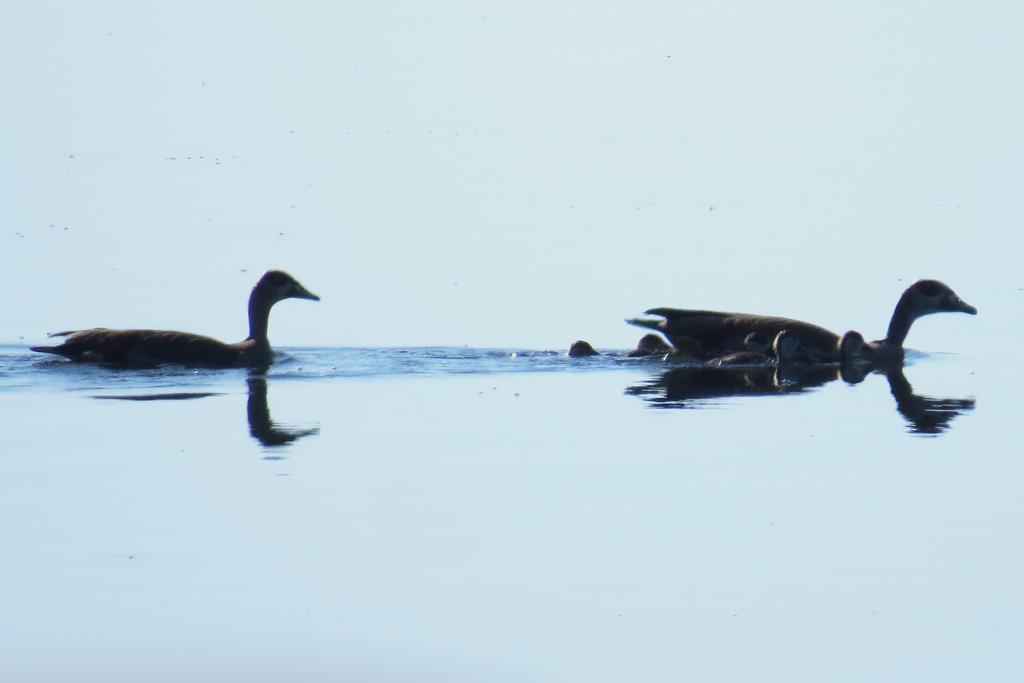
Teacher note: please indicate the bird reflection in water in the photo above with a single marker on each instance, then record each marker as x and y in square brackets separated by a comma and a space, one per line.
[926, 414]
[690, 387]
[261, 426]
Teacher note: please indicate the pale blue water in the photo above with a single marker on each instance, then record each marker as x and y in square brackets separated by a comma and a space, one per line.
[467, 176]
[507, 515]
[662, 384]
[20, 368]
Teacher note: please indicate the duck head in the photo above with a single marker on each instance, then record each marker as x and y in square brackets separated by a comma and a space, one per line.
[277, 285]
[921, 298]
[931, 296]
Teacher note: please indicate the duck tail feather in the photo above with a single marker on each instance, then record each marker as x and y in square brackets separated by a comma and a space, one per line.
[645, 322]
[45, 349]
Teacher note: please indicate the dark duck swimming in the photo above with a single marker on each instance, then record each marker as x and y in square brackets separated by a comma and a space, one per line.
[148, 348]
[716, 332]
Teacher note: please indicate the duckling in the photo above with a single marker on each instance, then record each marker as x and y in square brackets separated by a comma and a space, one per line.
[650, 345]
[147, 348]
[760, 342]
[582, 349]
[784, 348]
[718, 330]
[852, 347]
[740, 359]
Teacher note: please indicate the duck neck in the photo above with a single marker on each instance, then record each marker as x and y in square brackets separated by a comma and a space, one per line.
[899, 325]
[259, 317]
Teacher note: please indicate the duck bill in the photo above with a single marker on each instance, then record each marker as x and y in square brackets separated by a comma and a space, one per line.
[300, 292]
[964, 307]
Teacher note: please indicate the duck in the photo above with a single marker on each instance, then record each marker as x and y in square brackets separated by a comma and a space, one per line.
[718, 331]
[150, 348]
[784, 348]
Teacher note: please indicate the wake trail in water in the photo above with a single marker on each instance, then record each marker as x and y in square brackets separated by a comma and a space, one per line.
[20, 369]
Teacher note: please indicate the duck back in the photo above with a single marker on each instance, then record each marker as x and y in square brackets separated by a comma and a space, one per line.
[719, 331]
[146, 348]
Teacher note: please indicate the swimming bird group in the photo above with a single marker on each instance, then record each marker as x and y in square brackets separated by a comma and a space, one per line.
[719, 339]
[723, 339]
[715, 331]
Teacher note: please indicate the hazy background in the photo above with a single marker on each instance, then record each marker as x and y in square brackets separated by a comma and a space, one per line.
[506, 174]
[510, 175]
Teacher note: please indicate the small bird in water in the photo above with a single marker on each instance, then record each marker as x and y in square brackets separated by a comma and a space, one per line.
[149, 348]
[582, 349]
[760, 342]
[852, 348]
[784, 348]
[650, 345]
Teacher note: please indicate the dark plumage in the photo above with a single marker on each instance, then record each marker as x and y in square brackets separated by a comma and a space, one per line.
[582, 349]
[785, 348]
[852, 347]
[715, 332]
[760, 342]
[650, 345]
[148, 348]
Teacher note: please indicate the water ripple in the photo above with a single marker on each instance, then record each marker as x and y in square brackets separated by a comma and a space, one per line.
[21, 369]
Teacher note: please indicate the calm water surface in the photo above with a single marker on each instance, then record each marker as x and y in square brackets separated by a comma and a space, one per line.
[466, 514]
[482, 174]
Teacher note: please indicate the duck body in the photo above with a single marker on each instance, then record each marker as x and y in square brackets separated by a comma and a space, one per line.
[717, 332]
[149, 348]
